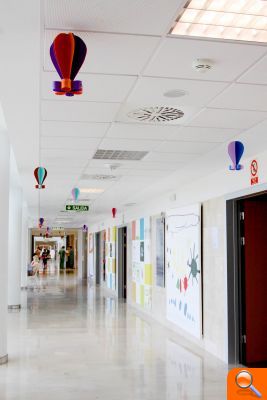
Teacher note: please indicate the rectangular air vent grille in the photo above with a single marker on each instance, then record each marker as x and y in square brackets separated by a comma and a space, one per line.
[119, 155]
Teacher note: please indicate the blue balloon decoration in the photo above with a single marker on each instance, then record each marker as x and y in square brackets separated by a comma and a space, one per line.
[236, 151]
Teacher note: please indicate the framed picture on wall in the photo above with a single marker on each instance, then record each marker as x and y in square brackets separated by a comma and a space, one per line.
[160, 252]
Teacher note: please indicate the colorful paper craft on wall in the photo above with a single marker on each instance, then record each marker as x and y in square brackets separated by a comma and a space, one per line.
[111, 257]
[183, 268]
[141, 263]
[68, 53]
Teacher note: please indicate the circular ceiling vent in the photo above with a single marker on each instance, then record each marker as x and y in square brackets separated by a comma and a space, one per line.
[156, 114]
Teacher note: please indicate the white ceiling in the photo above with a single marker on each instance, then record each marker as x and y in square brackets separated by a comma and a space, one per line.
[131, 63]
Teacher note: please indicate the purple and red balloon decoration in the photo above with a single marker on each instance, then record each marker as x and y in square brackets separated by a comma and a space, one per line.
[40, 174]
[68, 53]
[85, 228]
[41, 222]
[114, 212]
[235, 151]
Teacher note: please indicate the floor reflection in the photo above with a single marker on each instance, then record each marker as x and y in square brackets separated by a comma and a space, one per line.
[73, 341]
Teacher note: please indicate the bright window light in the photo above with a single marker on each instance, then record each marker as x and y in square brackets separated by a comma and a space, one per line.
[91, 190]
[224, 19]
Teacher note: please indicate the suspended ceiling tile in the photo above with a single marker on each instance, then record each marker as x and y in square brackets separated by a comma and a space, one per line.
[230, 59]
[65, 154]
[200, 134]
[170, 166]
[243, 96]
[79, 111]
[224, 118]
[109, 53]
[70, 143]
[150, 91]
[169, 157]
[256, 74]
[137, 16]
[186, 147]
[98, 88]
[73, 129]
[63, 162]
[128, 145]
[141, 131]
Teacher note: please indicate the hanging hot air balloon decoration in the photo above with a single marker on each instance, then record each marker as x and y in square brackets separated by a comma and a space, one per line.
[235, 151]
[75, 194]
[68, 53]
[114, 212]
[85, 228]
[41, 222]
[40, 174]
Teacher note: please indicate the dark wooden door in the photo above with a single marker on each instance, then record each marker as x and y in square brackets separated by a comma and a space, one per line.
[254, 281]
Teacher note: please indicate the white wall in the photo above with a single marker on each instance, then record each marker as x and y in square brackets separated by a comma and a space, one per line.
[212, 191]
[25, 256]
[4, 212]
[14, 235]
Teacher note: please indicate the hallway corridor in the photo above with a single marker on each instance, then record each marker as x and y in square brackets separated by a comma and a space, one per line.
[73, 342]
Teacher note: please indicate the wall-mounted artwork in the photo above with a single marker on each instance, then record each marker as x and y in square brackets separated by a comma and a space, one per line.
[160, 252]
[111, 258]
[141, 263]
[183, 268]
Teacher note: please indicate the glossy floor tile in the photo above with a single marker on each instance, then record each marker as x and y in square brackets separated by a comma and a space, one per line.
[76, 342]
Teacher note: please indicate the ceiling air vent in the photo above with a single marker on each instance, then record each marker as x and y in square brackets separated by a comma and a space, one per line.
[119, 155]
[156, 114]
[99, 177]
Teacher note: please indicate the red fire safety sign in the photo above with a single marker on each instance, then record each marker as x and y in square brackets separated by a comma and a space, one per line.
[254, 168]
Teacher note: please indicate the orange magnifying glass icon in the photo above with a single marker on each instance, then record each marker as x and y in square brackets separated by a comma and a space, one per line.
[244, 380]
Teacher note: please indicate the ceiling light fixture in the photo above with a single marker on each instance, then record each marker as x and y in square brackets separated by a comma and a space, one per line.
[175, 93]
[224, 19]
[91, 190]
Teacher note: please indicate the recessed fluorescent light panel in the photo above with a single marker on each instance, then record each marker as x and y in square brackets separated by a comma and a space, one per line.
[224, 19]
[91, 190]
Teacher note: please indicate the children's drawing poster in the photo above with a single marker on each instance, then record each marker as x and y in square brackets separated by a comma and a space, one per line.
[141, 263]
[183, 268]
[111, 257]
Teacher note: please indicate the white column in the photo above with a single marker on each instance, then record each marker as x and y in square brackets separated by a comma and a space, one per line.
[24, 245]
[14, 245]
[4, 215]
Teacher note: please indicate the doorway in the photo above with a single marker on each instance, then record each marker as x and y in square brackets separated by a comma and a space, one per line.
[85, 256]
[122, 262]
[247, 266]
[97, 258]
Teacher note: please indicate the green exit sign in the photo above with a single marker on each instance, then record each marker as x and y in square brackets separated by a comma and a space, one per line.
[73, 207]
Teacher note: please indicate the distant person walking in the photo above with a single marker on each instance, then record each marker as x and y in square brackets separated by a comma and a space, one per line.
[35, 264]
[62, 253]
[45, 257]
[71, 258]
